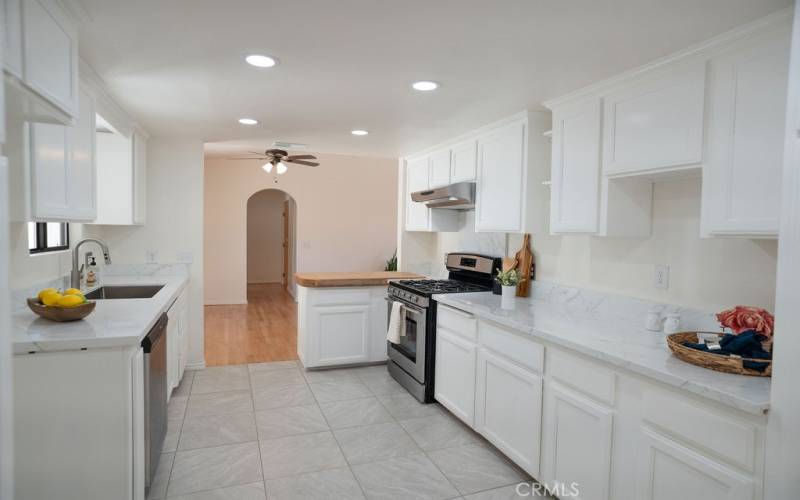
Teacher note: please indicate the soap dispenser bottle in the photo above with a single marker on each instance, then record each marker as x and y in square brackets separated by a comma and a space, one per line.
[92, 273]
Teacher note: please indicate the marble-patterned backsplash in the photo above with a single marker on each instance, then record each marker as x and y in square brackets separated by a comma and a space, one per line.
[591, 303]
[19, 295]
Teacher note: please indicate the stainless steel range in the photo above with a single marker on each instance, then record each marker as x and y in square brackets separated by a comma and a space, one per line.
[411, 362]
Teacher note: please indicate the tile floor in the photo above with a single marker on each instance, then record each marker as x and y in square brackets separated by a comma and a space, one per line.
[274, 430]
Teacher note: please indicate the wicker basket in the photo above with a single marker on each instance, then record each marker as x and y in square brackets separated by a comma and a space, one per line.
[718, 362]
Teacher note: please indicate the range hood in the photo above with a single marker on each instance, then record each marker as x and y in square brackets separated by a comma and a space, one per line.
[458, 196]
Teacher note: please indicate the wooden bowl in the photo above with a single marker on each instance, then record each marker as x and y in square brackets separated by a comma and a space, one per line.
[61, 313]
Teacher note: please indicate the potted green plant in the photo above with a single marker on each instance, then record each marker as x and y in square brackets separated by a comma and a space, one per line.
[391, 264]
[508, 283]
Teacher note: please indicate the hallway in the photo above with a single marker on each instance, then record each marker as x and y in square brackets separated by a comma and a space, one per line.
[263, 330]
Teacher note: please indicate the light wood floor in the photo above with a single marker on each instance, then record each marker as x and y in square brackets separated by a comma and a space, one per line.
[265, 329]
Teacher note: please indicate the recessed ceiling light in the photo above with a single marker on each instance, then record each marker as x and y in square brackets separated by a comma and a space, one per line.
[248, 121]
[359, 132]
[260, 60]
[425, 86]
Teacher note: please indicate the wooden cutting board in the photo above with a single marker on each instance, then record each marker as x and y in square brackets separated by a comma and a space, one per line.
[525, 267]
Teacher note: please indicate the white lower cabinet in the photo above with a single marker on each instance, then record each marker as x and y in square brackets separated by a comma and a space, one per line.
[177, 340]
[667, 469]
[341, 326]
[577, 442]
[508, 408]
[455, 374]
[583, 426]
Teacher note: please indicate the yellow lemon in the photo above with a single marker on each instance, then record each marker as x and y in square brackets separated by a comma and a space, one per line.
[44, 292]
[73, 291]
[70, 301]
[51, 298]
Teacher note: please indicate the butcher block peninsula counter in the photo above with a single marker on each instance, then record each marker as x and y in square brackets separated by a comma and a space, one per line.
[342, 317]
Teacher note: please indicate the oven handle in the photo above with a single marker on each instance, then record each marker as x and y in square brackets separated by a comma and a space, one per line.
[405, 304]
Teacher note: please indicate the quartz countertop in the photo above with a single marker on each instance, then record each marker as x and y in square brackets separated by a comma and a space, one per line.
[618, 341]
[114, 323]
[368, 278]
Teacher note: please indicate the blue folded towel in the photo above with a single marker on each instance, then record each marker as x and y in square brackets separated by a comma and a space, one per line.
[747, 345]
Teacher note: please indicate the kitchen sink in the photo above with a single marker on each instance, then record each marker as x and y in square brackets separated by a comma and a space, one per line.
[124, 292]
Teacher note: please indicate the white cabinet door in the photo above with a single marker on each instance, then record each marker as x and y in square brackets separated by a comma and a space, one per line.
[668, 470]
[455, 374]
[575, 168]
[744, 150]
[417, 178]
[139, 178]
[62, 168]
[49, 170]
[508, 408]
[342, 334]
[82, 180]
[50, 52]
[12, 40]
[577, 436]
[502, 177]
[137, 381]
[655, 124]
[464, 162]
[439, 169]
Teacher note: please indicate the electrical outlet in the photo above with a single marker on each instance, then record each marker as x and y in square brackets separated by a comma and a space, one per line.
[185, 257]
[661, 277]
[151, 257]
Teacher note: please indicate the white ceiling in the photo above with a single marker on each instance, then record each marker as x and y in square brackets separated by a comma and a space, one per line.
[177, 65]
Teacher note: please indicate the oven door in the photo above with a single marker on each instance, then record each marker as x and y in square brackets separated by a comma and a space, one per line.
[409, 354]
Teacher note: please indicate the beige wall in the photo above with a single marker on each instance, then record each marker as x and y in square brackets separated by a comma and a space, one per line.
[265, 237]
[174, 223]
[346, 217]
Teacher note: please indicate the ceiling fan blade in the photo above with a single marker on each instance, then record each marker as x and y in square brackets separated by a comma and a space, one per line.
[304, 162]
[301, 157]
[257, 153]
[248, 158]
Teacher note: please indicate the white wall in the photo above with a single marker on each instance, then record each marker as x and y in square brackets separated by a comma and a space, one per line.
[174, 222]
[346, 217]
[265, 237]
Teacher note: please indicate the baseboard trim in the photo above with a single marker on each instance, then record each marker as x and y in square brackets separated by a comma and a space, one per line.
[196, 366]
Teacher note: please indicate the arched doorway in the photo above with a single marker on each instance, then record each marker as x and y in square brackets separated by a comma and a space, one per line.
[265, 328]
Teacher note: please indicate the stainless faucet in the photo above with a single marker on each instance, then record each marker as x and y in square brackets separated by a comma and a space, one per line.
[75, 275]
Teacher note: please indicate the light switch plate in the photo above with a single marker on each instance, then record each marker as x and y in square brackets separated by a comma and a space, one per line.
[661, 277]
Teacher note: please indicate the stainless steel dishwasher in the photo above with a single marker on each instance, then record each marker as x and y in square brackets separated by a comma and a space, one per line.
[155, 396]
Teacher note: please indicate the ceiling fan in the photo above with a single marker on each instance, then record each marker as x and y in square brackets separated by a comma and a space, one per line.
[276, 159]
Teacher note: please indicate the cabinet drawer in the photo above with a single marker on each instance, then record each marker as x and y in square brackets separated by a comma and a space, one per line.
[515, 346]
[732, 439]
[336, 296]
[457, 321]
[583, 376]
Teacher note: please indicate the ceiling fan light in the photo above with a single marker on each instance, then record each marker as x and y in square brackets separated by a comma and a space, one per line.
[359, 132]
[281, 168]
[260, 61]
[267, 167]
[248, 121]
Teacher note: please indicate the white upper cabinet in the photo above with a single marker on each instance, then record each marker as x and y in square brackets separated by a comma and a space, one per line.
[655, 123]
[417, 178]
[41, 43]
[502, 179]
[575, 168]
[464, 162]
[62, 168]
[139, 177]
[12, 36]
[744, 149]
[439, 168]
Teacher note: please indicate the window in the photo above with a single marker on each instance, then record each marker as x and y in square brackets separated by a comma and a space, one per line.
[47, 236]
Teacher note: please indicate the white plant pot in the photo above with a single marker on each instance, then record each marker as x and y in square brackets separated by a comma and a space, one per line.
[507, 299]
